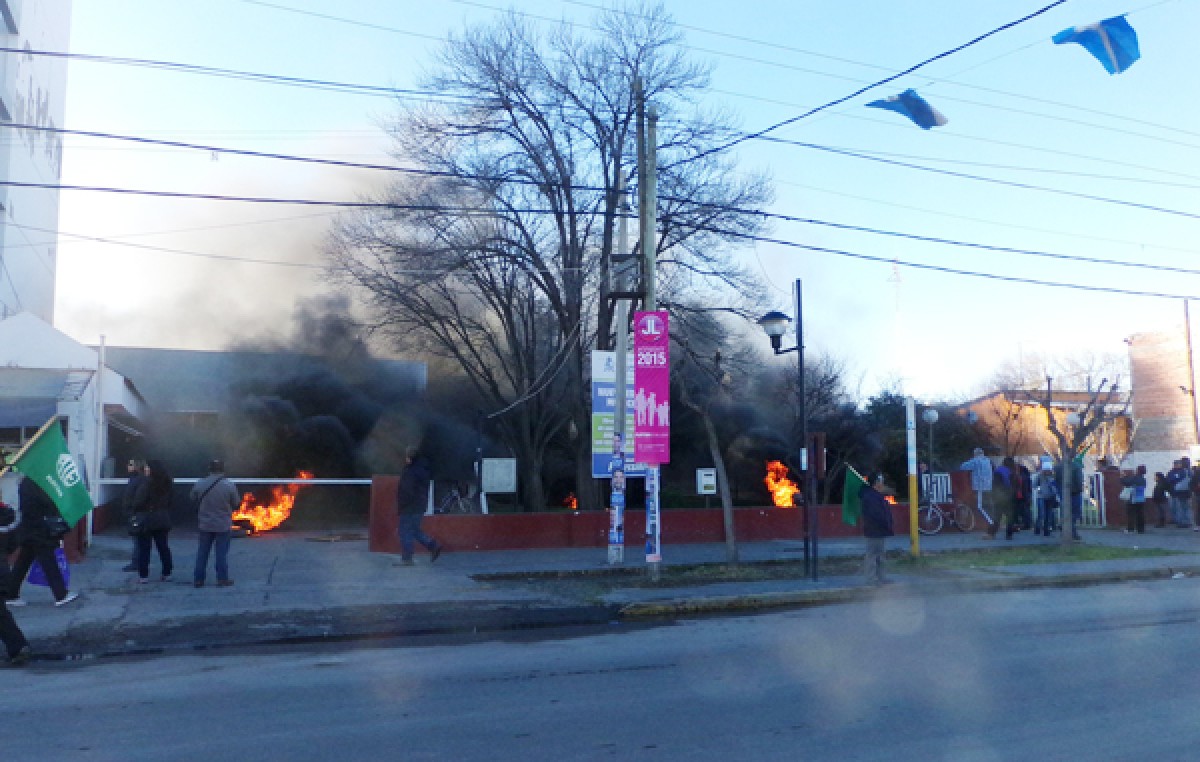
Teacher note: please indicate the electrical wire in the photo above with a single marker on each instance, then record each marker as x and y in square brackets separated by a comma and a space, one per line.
[871, 86]
[992, 180]
[948, 270]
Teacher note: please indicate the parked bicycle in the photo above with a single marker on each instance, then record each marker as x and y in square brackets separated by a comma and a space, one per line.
[455, 502]
[931, 518]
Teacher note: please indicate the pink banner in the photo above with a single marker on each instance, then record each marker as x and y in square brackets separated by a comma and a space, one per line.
[651, 388]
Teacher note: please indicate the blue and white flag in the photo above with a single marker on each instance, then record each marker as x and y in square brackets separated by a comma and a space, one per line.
[912, 106]
[1112, 41]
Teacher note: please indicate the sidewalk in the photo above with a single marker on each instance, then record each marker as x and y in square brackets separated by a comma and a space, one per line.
[308, 586]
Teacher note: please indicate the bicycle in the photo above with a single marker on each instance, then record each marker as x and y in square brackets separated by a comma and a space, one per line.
[454, 502]
[931, 518]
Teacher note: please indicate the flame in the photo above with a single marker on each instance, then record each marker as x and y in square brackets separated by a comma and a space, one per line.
[264, 518]
[890, 498]
[779, 485]
[571, 501]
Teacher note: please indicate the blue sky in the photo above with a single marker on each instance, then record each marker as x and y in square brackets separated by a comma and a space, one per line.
[1020, 110]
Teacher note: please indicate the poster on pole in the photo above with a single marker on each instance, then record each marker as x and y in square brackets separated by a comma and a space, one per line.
[651, 387]
[604, 378]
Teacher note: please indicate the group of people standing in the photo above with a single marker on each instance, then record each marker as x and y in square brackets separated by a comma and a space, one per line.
[1008, 494]
[1175, 495]
[147, 505]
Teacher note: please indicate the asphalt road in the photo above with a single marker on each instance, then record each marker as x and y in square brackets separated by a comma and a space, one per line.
[1089, 673]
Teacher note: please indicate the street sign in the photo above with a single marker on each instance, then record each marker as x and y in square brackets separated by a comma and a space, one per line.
[499, 475]
[706, 481]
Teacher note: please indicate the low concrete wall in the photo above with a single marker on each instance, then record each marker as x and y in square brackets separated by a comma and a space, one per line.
[516, 531]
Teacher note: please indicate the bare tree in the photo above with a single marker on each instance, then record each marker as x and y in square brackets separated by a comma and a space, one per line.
[1073, 436]
[494, 256]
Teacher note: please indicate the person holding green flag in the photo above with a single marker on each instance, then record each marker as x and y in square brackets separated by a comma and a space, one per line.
[877, 527]
[47, 462]
[37, 541]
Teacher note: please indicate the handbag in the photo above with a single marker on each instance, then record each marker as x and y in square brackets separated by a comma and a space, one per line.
[55, 526]
[37, 575]
[1127, 494]
[137, 524]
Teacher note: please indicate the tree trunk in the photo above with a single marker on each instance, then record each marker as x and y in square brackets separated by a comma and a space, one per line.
[714, 449]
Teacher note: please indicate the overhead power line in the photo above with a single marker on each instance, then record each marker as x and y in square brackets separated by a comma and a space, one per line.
[454, 175]
[948, 270]
[319, 84]
[871, 86]
[730, 233]
[992, 180]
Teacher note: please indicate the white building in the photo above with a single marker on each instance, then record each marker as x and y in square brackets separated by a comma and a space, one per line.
[33, 92]
[45, 373]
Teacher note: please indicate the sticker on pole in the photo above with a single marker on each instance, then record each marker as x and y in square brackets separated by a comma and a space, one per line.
[651, 388]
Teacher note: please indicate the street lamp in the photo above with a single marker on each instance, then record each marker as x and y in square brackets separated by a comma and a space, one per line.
[775, 325]
[930, 416]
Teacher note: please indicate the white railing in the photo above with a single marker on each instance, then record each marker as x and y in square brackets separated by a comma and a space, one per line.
[937, 488]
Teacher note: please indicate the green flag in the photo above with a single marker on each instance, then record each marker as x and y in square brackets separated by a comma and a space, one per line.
[46, 460]
[851, 505]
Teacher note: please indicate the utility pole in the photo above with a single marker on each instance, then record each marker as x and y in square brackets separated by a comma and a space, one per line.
[647, 127]
[616, 535]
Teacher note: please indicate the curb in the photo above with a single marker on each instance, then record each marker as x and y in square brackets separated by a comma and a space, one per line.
[812, 598]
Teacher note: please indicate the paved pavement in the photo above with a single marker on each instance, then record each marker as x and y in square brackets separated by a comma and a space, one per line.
[312, 586]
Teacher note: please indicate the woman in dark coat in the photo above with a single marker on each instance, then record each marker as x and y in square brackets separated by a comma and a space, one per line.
[152, 502]
[35, 543]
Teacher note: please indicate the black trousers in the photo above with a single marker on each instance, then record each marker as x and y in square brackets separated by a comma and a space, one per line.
[1135, 517]
[10, 634]
[43, 553]
[159, 538]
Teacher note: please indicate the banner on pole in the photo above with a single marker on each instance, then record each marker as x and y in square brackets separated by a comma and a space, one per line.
[604, 383]
[651, 387]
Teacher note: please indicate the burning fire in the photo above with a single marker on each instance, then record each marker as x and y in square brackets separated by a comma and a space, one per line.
[779, 485]
[264, 518]
[571, 501]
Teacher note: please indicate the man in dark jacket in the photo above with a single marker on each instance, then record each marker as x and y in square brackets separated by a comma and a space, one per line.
[877, 527]
[412, 497]
[14, 640]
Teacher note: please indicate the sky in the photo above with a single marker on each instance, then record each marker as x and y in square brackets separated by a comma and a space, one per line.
[1036, 126]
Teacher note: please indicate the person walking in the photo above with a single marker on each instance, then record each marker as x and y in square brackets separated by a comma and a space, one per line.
[153, 505]
[980, 469]
[134, 468]
[877, 527]
[1135, 506]
[15, 644]
[412, 497]
[36, 543]
[216, 499]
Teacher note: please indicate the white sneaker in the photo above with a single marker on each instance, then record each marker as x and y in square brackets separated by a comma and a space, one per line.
[70, 597]
[14, 602]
